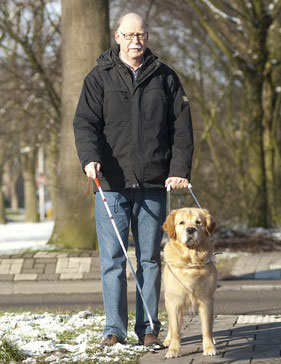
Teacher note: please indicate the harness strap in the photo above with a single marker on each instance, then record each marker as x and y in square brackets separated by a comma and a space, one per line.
[192, 266]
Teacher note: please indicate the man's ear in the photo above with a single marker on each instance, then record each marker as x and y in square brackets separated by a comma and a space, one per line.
[169, 225]
[117, 37]
[210, 223]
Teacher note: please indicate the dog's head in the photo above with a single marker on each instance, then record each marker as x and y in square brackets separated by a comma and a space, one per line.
[190, 226]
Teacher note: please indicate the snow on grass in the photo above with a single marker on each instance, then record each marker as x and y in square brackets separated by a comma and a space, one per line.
[16, 237]
[62, 338]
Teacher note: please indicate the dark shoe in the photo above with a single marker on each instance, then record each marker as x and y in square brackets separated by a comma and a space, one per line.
[111, 340]
[151, 341]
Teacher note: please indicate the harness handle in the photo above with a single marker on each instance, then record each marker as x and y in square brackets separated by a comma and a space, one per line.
[189, 186]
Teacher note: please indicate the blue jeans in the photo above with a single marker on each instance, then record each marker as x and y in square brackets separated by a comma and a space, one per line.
[145, 209]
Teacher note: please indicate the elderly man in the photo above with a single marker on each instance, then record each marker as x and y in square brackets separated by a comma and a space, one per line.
[133, 128]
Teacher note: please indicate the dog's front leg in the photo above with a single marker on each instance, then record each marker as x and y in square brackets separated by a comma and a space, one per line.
[175, 313]
[206, 311]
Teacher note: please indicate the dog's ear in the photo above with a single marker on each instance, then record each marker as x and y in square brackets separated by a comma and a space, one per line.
[169, 225]
[210, 223]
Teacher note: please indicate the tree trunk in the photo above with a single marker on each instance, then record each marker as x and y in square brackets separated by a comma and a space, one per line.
[269, 101]
[13, 174]
[2, 200]
[272, 121]
[257, 177]
[2, 205]
[85, 34]
[52, 170]
[13, 191]
[28, 162]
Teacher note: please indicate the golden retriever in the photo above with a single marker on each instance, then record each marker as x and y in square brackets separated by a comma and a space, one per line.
[189, 277]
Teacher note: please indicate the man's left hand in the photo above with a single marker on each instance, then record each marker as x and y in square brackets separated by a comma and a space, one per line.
[176, 182]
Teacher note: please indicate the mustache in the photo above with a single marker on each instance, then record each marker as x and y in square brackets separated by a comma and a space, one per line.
[134, 46]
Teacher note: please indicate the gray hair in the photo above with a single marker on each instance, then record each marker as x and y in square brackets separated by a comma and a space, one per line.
[120, 20]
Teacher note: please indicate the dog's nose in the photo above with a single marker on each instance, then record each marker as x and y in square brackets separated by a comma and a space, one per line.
[191, 230]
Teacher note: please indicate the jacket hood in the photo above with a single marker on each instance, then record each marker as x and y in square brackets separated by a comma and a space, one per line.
[110, 57]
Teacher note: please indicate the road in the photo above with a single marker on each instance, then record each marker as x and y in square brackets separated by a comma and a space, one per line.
[232, 297]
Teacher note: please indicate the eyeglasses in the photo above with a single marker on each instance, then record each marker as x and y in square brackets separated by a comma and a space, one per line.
[131, 36]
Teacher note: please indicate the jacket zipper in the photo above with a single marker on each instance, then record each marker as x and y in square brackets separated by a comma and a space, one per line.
[142, 147]
[142, 124]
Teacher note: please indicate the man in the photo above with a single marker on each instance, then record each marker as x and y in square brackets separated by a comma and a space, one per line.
[133, 128]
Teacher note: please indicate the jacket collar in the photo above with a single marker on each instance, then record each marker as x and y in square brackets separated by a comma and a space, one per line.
[110, 58]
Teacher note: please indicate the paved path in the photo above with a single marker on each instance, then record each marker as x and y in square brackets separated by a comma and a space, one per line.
[240, 339]
[50, 266]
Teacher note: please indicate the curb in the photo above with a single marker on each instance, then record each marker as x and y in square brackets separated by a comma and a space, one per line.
[66, 287]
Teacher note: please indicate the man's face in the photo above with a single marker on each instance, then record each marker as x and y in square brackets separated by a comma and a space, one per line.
[132, 48]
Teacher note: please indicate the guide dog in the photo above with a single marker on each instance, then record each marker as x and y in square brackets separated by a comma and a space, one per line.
[190, 276]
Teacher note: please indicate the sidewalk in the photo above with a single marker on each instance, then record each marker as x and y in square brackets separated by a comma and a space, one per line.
[240, 339]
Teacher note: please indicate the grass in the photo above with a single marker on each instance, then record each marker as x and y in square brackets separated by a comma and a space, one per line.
[9, 352]
[66, 337]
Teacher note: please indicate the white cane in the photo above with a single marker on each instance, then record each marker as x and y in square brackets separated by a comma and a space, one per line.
[124, 250]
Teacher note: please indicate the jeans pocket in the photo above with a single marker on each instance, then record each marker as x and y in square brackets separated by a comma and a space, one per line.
[116, 204]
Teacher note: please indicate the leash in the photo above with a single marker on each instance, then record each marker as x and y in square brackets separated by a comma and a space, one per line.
[122, 246]
[192, 194]
[189, 186]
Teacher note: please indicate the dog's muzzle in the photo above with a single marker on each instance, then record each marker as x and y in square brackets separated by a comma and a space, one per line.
[191, 230]
[191, 236]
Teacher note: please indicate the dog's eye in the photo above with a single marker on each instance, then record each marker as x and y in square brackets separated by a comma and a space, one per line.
[198, 222]
[181, 223]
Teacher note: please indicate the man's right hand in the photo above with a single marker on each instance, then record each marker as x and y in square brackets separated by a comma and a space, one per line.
[92, 169]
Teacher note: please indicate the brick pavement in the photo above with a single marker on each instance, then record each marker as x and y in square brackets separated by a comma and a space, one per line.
[51, 266]
[240, 339]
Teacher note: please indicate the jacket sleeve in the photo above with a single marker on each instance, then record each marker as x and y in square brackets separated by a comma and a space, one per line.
[88, 122]
[180, 130]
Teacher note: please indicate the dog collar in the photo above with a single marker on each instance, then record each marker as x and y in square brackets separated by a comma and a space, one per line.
[195, 266]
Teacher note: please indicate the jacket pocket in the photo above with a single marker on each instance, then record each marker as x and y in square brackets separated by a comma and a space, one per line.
[117, 107]
[154, 105]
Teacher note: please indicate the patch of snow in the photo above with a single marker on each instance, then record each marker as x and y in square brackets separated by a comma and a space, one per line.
[277, 235]
[37, 335]
[237, 230]
[16, 237]
[257, 319]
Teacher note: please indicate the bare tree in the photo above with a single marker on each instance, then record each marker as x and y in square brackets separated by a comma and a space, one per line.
[30, 44]
[241, 31]
[85, 34]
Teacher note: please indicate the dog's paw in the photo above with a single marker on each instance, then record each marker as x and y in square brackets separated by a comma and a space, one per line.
[172, 353]
[210, 350]
[166, 343]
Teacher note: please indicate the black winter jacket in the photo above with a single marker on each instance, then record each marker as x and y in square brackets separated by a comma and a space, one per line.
[140, 132]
